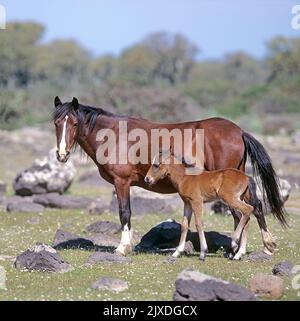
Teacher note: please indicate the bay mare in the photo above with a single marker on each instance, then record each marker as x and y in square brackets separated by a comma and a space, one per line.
[226, 145]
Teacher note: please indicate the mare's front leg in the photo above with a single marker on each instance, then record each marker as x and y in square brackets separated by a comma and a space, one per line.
[198, 208]
[123, 195]
[184, 229]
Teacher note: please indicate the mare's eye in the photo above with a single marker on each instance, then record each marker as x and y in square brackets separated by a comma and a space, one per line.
[75, 125]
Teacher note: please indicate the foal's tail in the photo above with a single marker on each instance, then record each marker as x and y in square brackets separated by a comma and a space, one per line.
[263, 168]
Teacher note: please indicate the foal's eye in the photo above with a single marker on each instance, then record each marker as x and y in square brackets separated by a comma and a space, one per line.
[156, 165]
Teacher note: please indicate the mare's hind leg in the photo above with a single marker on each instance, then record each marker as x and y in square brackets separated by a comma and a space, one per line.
[184, 229]
[268, 240]
[197, 208]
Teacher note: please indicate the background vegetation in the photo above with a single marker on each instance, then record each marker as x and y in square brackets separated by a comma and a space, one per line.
[160, 77]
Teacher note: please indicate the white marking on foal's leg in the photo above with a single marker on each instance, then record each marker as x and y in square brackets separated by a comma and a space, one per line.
[179, 250]
[125, 244]
[203, 246]
[63, 143]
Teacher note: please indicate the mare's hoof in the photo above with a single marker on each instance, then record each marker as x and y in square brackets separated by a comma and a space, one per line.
[123, 249]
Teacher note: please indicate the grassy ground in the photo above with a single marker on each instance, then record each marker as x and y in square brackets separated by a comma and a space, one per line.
[148, 277]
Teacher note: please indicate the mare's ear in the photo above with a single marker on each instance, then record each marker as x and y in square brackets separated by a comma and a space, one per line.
[57, 101]
[75, 103]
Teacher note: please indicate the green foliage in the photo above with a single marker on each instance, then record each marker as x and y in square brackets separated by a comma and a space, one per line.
[18, 45]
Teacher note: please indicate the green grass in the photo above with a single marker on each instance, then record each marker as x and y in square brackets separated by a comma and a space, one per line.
[148, 277]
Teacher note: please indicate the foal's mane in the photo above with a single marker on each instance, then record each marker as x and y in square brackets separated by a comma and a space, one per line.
[86, 115]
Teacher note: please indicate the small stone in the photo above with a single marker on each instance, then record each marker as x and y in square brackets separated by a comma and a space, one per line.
[258, 256]
[103, 227]
[265, 285]
[107, 283]
[283, 268]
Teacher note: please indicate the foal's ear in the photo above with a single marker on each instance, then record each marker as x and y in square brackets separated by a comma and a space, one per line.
[57, 101]
[186, 164]
[75, 103]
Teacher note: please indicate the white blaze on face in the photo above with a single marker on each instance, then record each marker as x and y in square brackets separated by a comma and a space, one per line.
[63, 143]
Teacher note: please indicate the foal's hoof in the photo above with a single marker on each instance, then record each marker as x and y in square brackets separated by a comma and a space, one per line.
[230, 256]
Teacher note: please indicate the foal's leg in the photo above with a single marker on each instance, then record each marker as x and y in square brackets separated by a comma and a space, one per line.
[197, 208]
[243, 243]
[246, 210]
[123, 195]
[184, 229]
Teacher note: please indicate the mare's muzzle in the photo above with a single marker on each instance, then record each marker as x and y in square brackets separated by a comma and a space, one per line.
[62, 157]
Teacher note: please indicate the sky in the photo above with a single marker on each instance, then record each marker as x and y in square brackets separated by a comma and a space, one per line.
[217, 27]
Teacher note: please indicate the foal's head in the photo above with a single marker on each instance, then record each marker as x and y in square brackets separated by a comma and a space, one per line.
[66, 124]
[161, 167]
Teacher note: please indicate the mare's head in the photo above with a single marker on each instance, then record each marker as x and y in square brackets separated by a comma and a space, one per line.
[66, 124]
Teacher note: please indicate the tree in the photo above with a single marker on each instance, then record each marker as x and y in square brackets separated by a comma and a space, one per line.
[174, 56]
[283, 57]
[62, 61]
[18, 52]
[103, 68]
[243, 70]
[160, 56]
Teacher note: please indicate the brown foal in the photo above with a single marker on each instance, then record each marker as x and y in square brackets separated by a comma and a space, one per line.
[229, 185]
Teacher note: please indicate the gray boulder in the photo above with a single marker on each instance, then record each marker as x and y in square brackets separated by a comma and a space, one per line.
[55, 200]
[195, 286]
[141, 205]
[23, 206]
[45, 176]
[107, 283]
[41, 257]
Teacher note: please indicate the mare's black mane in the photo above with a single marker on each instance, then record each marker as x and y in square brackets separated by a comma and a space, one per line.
[86, 115]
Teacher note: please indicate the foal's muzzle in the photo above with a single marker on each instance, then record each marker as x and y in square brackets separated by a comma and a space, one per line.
[62, 157]
[148, 180]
